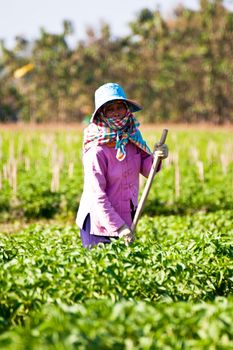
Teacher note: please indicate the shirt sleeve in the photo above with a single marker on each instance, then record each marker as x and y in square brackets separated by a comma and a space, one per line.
[146, 163]
[96, 174]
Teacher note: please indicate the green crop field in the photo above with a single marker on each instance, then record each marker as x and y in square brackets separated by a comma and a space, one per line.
[171, 289]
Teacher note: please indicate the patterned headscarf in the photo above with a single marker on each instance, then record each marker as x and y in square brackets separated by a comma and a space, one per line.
[119, 130]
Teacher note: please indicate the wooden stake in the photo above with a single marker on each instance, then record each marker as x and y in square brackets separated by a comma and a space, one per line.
[224, 161]
[55, 178]
[177, 177]
[200, 167]
[71, 170]
[14, 177]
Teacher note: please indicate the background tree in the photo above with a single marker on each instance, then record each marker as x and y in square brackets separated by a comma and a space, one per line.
[180, 69]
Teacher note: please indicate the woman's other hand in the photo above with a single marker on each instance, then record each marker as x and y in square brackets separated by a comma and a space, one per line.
[161, 151]
[125, 233]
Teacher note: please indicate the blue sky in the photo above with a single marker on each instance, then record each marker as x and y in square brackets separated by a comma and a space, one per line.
[25, 17]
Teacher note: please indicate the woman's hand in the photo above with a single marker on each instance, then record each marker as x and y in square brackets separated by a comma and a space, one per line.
[125, 233]
[161, 151]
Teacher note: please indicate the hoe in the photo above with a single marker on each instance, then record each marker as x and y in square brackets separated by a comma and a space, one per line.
[154, 169]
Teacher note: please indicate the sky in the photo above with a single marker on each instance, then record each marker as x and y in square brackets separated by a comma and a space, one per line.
[26, 17]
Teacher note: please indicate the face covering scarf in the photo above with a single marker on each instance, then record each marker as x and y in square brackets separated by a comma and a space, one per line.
[119, 130]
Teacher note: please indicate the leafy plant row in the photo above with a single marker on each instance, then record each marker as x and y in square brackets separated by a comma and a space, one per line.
[104, 324]
[186, 259]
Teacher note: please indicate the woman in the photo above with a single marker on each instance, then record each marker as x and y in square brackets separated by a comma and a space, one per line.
[114, 154]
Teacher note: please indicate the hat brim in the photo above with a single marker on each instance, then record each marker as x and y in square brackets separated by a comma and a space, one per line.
[134, 107]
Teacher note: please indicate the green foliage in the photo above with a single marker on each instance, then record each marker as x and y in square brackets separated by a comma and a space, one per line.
[48, 174]
[125, 325]
[50, 284]
[171, 289]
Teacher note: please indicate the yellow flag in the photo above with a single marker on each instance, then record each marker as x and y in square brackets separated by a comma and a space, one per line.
[20, 72]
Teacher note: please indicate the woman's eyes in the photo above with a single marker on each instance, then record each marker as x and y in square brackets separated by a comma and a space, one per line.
[117, 108]
[110, 110]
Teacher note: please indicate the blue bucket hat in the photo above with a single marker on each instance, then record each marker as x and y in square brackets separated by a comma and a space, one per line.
[110, 92]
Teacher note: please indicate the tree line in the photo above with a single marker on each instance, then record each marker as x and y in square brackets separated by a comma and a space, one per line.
[180, 69]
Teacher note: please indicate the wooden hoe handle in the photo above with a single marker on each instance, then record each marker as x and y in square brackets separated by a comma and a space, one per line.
[153, 170]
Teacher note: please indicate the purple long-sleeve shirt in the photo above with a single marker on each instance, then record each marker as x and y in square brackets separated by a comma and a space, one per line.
[109, 186]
